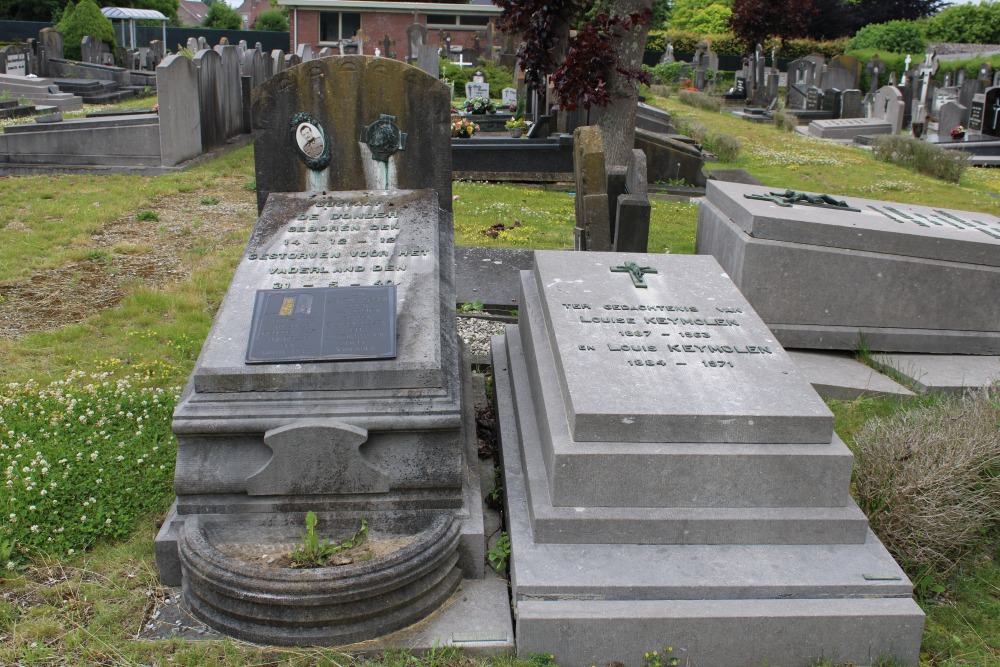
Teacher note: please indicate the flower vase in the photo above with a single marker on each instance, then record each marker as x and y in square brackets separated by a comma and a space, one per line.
[515, 132]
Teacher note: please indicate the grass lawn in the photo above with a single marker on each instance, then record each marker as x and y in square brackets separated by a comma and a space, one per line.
[117, 278]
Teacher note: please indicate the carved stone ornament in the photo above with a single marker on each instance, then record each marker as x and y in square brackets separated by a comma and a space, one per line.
[309, 139]
[383, 138]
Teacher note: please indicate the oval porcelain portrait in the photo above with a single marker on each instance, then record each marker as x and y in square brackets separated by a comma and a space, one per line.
[310, 139]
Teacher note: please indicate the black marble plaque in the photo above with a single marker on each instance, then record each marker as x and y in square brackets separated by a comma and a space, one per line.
[323, 324]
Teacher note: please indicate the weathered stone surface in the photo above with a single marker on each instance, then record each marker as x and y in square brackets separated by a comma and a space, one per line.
[950, 116]
[669, 159]
[229, 91]
[213, 128]
[593, 230]
[847, 129]
[839, 375]
[950, 373]
[345, 95]
[908, 277]
[689, 388]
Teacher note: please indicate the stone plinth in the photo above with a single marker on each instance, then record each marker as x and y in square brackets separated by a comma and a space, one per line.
[708, 497]
[907, 278]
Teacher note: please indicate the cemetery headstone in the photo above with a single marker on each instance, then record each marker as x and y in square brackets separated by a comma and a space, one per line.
[632, 213]
[850, 104]
[991, 111]
[950, 259]
[951, 115]
[707, 389]
[813, 98]
[592, 231]
[416, 36]
[178, 97]
[229, 91]
[831, 101]
[986, 73]
[509, 97]
[889, 106]
[875, 68]
[278, 60]
[210, 85]
[410, 152]
[977, 112]
[968, 89]
[203, 44]
[304, 52]
[960, 77]
[477, 89]
[942, 96]
[192, 45]
[16, 64]
[996, 78]
[668, 53]
[89, 50]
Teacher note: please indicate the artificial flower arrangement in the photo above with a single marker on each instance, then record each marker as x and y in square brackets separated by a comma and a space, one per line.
[515, 123]
[958, 132]
[463, 129]
[480, 105]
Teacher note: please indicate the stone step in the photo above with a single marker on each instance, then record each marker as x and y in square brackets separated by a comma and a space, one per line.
[713, 633]
[86, 124]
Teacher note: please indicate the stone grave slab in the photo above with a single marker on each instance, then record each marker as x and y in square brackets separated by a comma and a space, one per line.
[909, 278]
[839, 375]
[848, 128]
[951, 373]
[615, 540]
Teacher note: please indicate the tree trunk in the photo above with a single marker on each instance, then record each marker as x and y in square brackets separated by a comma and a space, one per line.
[617, 120]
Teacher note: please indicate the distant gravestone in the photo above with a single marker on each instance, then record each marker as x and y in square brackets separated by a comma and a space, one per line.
[831, 101]
[363, 109]
[304, 52]
[17, 64]
[593, 230]
[991, 111]
[416, 36]
[632, 213]
[428, 60]
[476, 89]
[977, 112]
[325, 52]
[213, 128]
[52, 44]
[850, 104]
[90, 50]
[192, 45]
[177, 95]
[278, 61]
[509, 97]
[157, 51]
[942, 96]
[813, 98]
[291, 60]
[888, 106]
[951, 115]
[230, 90]
[968, 89]
[202, 43]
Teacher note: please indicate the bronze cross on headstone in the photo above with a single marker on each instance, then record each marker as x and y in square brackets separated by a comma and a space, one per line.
[635, 272]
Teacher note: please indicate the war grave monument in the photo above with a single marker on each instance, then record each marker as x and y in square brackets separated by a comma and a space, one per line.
[333, 382]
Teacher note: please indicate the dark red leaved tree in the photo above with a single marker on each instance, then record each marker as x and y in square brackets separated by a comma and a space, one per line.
[754, 21]
[597, 67]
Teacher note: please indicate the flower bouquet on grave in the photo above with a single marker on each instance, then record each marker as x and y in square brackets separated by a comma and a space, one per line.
[958, 132]
[480, 105]
[512, 107]
[516, 127]
[463, 129]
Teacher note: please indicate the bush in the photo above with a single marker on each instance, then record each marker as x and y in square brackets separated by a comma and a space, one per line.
[696, 131]
[455, 74]
[726, 147]
[894, 36]
[729, 44]
[969, 24]
[665, 73]
[274, 20]
[700, 100]
[928, 479]
[85, 19]
[785, 121]
[222, 17]
[921, 156]
[498, 77]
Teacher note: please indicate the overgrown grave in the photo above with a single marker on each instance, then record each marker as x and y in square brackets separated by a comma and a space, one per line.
[672, 480]
[332, 382]
[844, 273]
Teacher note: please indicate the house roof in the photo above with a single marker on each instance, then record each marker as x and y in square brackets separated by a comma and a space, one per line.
[192, 12]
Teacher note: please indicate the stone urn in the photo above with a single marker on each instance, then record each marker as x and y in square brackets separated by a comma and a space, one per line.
[515, 132]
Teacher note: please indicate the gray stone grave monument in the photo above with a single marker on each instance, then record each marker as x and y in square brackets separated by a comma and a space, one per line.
[977, 112]
[592, 231]
[950, 116]
[907, 278]
[371, 88]
[332, 381]
[991, 111]
[672, 480]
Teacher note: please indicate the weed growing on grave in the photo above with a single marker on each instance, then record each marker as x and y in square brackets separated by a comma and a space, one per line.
[209, 201]
[921, 156]
[700, 100]
[927, 480]
[542, 660]
[785, 121]
[471, 307]
[657, 659]
[251, 185]
[147, 216]
[499, 553]
[316, 553]
[84, 458]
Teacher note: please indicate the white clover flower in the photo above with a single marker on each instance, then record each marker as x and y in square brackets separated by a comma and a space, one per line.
[34, 528]
[107, 521]
[32, 508]
[83, 518]
[71, 552]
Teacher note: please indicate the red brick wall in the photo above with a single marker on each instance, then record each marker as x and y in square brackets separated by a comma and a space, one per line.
[306, 27]
[375, 27]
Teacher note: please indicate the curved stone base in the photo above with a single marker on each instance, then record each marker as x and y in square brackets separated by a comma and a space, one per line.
[333, 605]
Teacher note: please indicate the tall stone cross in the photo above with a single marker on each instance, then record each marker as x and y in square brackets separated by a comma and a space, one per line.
[634, 271]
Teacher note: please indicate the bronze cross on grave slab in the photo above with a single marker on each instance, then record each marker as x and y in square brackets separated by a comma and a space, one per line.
[635, 272]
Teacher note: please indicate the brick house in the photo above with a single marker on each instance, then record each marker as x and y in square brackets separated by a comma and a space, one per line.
[322, 23]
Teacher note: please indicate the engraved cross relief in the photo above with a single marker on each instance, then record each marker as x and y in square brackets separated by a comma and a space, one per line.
[634, 271]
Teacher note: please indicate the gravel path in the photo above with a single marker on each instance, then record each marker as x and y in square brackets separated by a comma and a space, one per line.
[476, 332]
